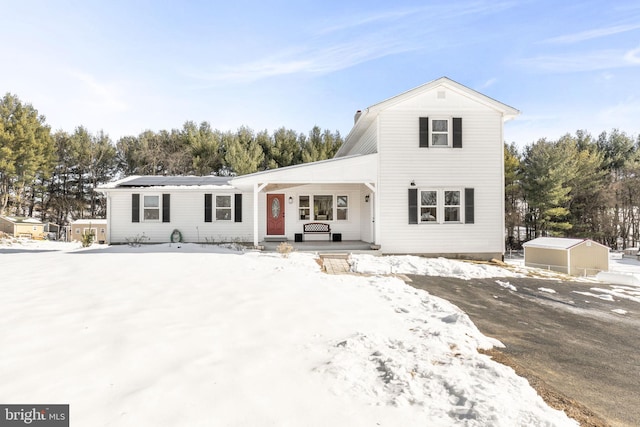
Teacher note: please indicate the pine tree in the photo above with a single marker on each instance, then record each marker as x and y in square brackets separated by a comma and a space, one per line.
[512, 194]
[243, 153]
[26, 151]
[546, 177]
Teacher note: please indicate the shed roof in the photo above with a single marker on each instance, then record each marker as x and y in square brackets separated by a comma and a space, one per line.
[556, 243]
[94, 221]
[23, 220]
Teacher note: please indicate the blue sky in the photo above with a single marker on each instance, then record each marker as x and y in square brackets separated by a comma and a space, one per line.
[128, 66]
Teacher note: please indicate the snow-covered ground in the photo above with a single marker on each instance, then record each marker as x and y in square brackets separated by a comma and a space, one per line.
[621, 282]
[186, 335]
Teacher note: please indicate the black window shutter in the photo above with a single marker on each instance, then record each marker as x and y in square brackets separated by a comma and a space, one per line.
[207, 208]
[166, 208]
[469, 211]
[135, 208]
[413, 206]
[238, 208]
[424, 131]
[457, 132]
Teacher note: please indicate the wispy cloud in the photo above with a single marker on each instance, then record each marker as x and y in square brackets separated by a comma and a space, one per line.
[590, 61]
[592, 34]
[352, 42]
[488, 83]
[97, 94]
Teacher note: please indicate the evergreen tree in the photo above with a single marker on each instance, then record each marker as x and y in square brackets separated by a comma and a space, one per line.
[205, 147]
[26, 151]
[320, 145]
[243, 153]
[286, 149]
[546, 177]
[513, 194]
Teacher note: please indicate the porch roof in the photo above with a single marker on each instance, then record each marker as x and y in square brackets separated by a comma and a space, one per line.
[349, 169]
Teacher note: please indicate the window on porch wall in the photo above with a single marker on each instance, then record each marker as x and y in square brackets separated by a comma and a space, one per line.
[323, 208]
[343, 208]
[304, 208]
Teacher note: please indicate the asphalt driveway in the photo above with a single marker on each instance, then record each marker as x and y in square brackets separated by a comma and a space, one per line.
[573, 341]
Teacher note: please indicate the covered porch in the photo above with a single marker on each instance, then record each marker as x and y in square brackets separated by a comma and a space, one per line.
[340, 194]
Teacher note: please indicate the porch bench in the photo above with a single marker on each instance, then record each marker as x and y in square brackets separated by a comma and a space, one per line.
[317, 228]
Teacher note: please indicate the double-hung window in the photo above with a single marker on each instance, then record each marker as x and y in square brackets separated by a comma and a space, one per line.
[440, 206]
[342, 210]
[429, 206]
[451, 206]
[223, 208]
[151, 208]
[440, 132]
[304, 208]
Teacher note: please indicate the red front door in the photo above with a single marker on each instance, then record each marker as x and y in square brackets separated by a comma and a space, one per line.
[275, 214]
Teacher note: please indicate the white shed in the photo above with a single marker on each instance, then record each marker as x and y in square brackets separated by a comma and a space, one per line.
[577, 257]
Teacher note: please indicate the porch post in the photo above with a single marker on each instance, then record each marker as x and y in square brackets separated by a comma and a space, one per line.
[375, 210]
[256, 190]
[255, 215]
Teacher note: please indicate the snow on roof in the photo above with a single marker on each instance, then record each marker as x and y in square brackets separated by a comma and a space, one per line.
[22, 219]
[171, 182]
[555, 243]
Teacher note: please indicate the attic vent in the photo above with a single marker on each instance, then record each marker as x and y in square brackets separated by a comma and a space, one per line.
[357, 116]
[442, 94]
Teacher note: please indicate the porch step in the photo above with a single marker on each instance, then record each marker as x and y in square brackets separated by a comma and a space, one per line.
[276, 239]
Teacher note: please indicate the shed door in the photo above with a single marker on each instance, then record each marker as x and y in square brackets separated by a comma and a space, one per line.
[275, 214]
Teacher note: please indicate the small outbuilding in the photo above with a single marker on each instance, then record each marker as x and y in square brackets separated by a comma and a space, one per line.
[577, 257]
[95, 226]
[20, 226]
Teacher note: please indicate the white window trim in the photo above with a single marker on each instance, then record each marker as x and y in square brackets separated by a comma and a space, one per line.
[95, 230]
[305, 207]
[449, 132]
[159, 208]
[440, 219]
[214, 207]
[438, 198]
[345, 208]
[459, 206]
[334, 204]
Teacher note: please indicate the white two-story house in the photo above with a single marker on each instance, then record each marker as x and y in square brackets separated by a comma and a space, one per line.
[419, 173]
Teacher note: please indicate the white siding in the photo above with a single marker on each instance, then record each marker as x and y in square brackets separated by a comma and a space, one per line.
[187, 216]
[477, 165]
[350, 228]
[368, 144]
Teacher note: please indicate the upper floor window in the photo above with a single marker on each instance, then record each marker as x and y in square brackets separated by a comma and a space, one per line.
[440, 132]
